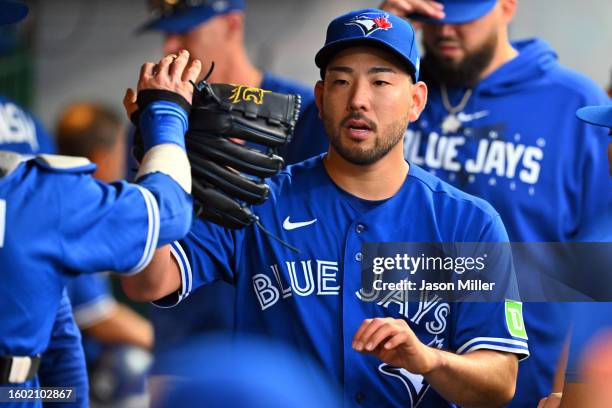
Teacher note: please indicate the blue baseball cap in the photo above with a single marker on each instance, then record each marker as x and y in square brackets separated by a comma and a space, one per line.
[596, 115]
[459, 11]
[12, 11]
[371, 27]
[182, 16]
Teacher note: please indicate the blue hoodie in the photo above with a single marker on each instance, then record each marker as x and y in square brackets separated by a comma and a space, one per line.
[521, 147]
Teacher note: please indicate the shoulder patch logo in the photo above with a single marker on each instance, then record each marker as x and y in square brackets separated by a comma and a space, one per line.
[514, 319]
[371, 22]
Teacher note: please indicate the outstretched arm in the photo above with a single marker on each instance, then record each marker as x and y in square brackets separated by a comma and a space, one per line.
[479, 378]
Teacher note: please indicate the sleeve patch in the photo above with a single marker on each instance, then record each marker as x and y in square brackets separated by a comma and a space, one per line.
[514, 319]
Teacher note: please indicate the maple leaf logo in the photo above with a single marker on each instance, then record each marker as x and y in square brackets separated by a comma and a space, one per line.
[382, 23]
[370, 23]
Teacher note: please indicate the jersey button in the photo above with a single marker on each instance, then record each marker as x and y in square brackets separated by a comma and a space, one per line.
[359, 228]
[359, 397]
[358, 256]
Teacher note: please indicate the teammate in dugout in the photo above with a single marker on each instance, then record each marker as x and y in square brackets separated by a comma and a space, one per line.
[211, 30]
[63, 363]
[362, 190]
[73, 212]
[500, 125]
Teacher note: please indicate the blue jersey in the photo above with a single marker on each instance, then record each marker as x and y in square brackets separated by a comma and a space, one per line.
[57, 220]
[20, 132]
[312, 300]
[63, 363]
[212, 307]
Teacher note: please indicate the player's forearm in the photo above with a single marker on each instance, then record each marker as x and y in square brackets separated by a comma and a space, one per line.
[160, 278]
[483, 378]
[123, 326]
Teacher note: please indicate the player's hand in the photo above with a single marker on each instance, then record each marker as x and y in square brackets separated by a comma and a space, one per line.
[394, 342]
[172, 73]
[129, 102]
[403, 8]
[552, 401]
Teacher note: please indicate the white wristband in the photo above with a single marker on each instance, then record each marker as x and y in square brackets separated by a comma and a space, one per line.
[170, 159]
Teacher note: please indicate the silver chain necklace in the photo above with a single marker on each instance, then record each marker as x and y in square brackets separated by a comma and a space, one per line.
[451, 123]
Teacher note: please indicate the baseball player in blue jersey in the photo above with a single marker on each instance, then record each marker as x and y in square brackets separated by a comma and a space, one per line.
[123, 222]
[210, 30]
[500, 125]
[361, 191]
[63, 364]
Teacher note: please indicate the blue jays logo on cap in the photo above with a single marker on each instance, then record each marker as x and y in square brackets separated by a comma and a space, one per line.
[372, 27]
[371, 22]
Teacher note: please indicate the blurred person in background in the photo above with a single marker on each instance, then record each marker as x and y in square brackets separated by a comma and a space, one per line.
[588, 373]
[113, 333]
[500, 124]
[212, 31]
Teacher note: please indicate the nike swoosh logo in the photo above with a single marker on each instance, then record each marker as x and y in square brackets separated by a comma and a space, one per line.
[288, 225]
[466, 117]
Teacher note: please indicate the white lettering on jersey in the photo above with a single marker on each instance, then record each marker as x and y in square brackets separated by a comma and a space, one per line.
[435, 148]
[497, 157]
[399, 297]
[533, 155]
[16, 126]
[302, 283]
[440, 314]
[367, 296]
[285, 291]
[2, 221]
[425, 305]
[327, 273]
[513, 153]
[309, 286]
[266, 293]
[450, 163]
[475, 165]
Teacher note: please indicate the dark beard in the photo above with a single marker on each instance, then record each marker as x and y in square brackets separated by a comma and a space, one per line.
[462, 75]
[382, 146]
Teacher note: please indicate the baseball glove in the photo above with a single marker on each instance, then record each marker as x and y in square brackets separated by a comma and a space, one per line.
[227, 175]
